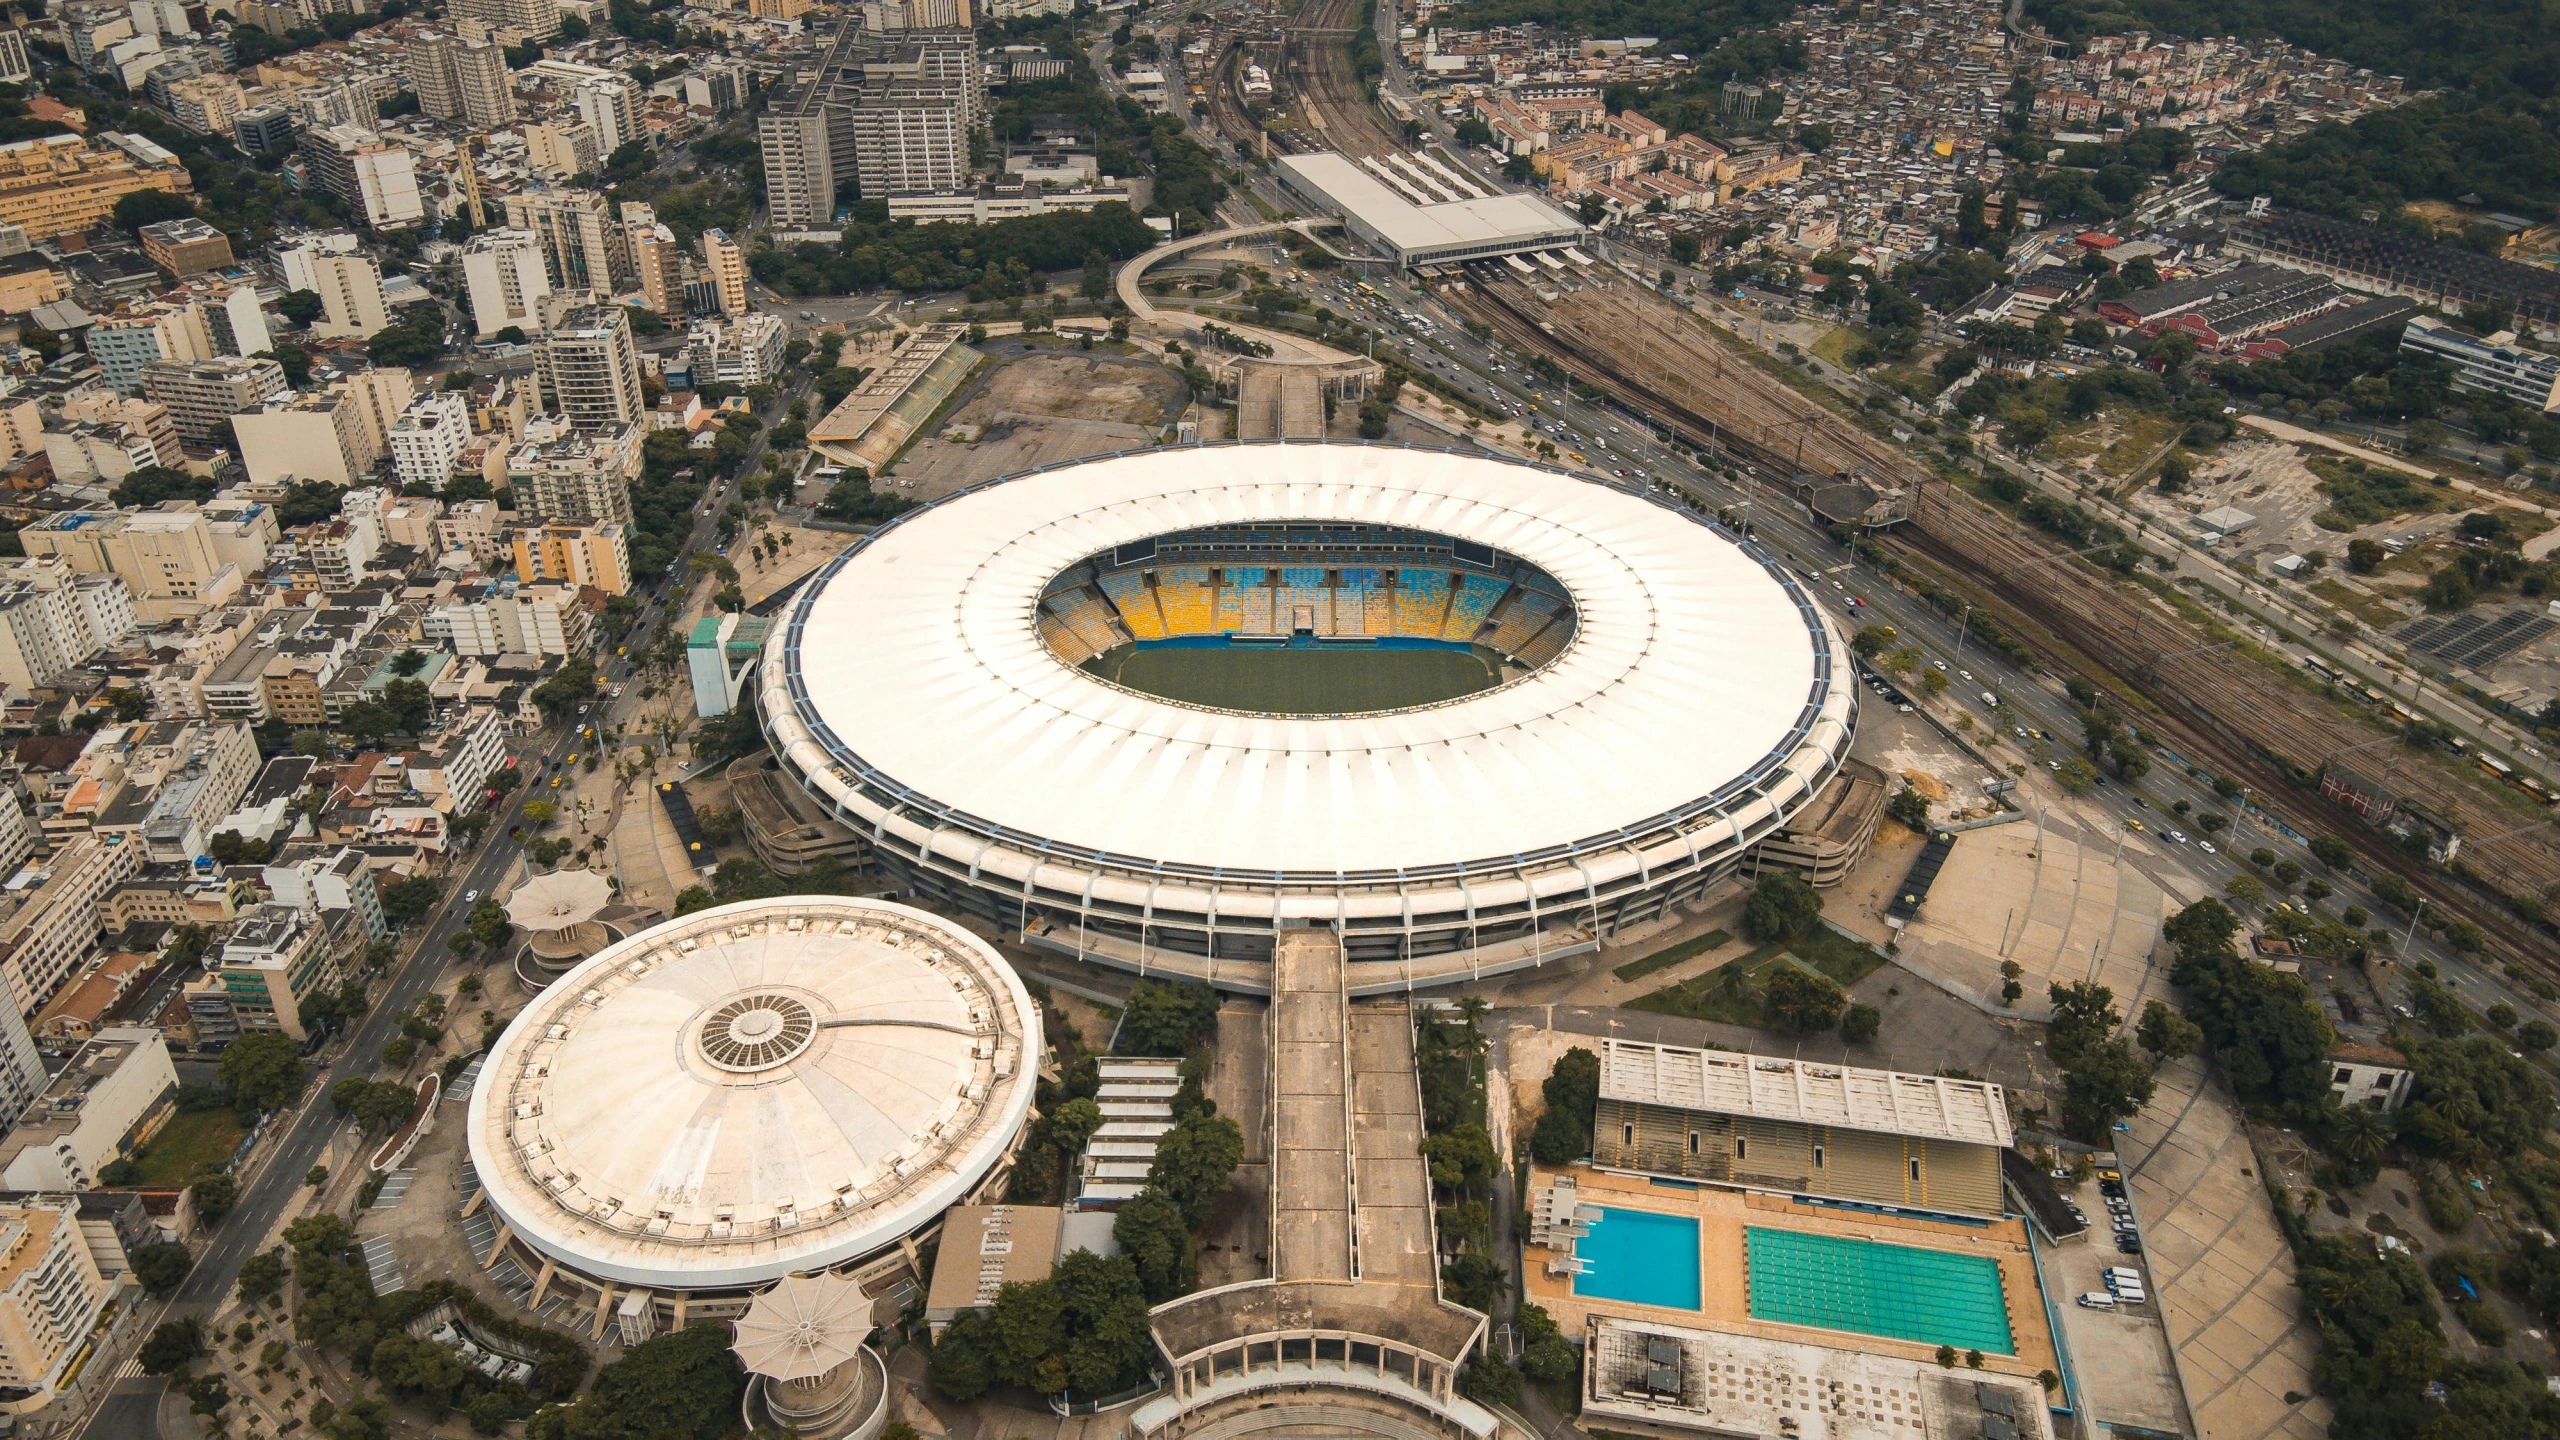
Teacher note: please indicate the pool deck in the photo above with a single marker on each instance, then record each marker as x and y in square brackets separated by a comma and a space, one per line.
[1724, 1299]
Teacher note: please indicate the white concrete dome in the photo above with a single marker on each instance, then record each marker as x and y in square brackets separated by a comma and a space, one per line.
[754, 1090]
[1701, 699]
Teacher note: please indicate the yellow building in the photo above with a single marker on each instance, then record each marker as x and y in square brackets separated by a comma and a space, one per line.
[59, 185]
[780, 9]
[728, 266]
[50, 1293]
[597, 555]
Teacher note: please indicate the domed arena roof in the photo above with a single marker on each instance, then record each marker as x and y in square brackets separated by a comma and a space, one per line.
[754, 1090]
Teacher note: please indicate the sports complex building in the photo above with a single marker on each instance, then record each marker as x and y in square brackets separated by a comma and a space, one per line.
[1764, 1246]
[1155, 709]
[771, 1088]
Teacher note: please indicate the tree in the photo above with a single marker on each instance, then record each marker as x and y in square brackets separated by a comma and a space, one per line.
[2084, 1014]
[411, 341]
[1150, 1231]
[2365, 556]
[1873, 640]
[161, 1268]
[262, 1275]
[1782, 906]
[682, 1385]
[1193, 1162]
[1571, 1093]
[407, 901]
[1168, 1017]
[2245, 889]
[1859, 1023]
[214, 1196]
[560, 696]
[1801, 1000]
[2536, 1037]
[263, 1071]
[1910, 809]
[174, 1345]
[2331, 851]
[963, 1363]
[2167, 1034]
[2106, 1084]
[150, 207]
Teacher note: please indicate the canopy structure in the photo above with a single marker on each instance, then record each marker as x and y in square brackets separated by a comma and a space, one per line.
[804, 1327]
[559, 900]
[560, 910]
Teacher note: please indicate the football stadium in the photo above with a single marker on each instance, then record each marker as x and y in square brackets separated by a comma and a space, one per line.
[1155, 708]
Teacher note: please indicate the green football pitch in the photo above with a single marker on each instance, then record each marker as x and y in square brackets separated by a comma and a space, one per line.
[1298, 681]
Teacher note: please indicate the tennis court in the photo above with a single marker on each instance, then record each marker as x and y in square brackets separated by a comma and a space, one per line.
[1898, 1291]
[1297, 679]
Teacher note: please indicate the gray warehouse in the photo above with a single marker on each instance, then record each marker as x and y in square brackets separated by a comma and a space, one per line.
[1477, 226]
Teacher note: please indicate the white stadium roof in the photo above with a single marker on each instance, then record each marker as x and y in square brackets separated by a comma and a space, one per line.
[754, 1090]
[913, 669]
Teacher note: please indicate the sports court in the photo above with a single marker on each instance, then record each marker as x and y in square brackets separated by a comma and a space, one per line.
[1297, 679]
[1902, 1292]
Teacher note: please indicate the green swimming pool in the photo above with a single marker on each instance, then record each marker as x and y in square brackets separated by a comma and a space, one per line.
[1898, 1291]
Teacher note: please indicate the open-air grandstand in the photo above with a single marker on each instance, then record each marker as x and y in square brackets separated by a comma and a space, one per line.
[1505, 604]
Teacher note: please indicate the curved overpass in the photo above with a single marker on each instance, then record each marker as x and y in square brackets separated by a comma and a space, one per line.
[1130, 273]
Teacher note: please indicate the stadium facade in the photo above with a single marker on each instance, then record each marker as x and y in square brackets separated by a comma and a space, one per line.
[1659, 697]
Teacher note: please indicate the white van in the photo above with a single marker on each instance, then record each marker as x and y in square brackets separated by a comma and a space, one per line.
[2124, 1273]
[1991, 700]
[2131, 1295]
[2098, 1300]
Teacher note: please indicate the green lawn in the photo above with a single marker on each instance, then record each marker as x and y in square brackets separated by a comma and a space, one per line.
[1664, 959]
[193, 1144]
[1298, 680]
[1731, 993]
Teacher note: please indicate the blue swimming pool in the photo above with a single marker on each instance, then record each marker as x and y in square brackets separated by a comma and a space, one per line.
[1642, 1258]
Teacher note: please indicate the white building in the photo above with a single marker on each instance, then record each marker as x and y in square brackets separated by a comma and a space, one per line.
[505, 273]
[91, 1113]
[745, 350]
[456, 767]
[52, 618]
[429, 438]
[52, 922]
[50, 1294]
[350, 290]
[535, 620]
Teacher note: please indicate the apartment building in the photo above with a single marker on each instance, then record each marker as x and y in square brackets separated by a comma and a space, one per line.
[295, 436]
[164, 555]
[343, 881]
[726, 265]
[124, 343]
[743, 351]
[508, 277]
[460, 80]
[429, 438]
[350, 290]
[562, 149]
[582, 243]
[186, 247]
[575, 555]
[201, 396]
[521, 19]
[51, 926]
[799, 160]
[266, 974]
[63, 185]
[911, 140]
[51, 1292]
[115, 1093]
[53, 618]
[453, 769]
[564, 474]
[542, 619]
[660, 261]
[374, 177]
[591, 370]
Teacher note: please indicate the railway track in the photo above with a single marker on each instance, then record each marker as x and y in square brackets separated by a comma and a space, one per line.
[1319, 70]
[2217, 708]
[1226, 102]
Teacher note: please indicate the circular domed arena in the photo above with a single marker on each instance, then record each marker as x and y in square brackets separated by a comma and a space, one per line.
[1154, 708]
[777, 1087]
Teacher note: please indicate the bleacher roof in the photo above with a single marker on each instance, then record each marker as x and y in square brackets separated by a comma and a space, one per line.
[1765, 1087]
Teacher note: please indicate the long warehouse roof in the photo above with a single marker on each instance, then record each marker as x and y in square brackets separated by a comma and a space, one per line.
[1410, 227]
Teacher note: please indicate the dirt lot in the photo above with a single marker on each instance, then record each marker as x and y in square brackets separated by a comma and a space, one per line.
[1040, 406]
